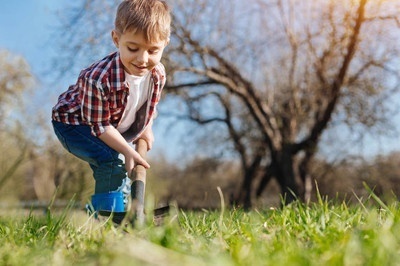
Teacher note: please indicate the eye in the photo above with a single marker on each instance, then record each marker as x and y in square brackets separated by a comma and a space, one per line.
[132, 49]
[154, 52]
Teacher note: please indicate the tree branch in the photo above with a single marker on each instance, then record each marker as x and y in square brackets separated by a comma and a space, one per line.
[324, 117]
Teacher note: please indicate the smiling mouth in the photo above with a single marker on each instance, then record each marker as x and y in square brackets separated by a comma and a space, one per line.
[141, 67]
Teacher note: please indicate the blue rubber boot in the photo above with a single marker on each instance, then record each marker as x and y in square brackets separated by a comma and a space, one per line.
[112, 203]
[115, 202]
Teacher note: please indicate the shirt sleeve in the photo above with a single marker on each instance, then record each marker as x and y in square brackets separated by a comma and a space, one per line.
[162, 79]
[95, 106]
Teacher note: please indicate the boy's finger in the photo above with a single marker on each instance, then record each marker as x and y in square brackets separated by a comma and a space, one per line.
[143, 162]
[139, 162]
[149, 145]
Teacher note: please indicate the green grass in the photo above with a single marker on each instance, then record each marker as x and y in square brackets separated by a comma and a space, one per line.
[321, 233]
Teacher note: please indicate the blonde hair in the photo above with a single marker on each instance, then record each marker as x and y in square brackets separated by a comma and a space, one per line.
[152, 17]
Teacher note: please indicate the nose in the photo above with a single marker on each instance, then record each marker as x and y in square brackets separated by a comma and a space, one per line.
[143, 57]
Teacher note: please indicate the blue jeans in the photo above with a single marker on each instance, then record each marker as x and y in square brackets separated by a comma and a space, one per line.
[108, 169]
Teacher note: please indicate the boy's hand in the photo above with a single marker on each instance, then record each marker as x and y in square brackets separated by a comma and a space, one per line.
[113, 138]
[133, 158]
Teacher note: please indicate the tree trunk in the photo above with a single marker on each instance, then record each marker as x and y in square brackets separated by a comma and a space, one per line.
[305, 177]
[244, 196]
[286, 175]
[287, 183]
[269, 173]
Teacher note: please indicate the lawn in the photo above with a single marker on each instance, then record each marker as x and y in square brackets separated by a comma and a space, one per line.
[321, 233]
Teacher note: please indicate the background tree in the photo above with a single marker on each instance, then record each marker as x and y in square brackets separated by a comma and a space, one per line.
[295, 67]
[53, 173]
[31, 163]
[15, 79]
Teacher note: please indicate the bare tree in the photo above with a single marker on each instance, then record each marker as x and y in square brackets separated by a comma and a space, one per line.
[55, 174]
[295, 67]
[244, 140]
[15, 79]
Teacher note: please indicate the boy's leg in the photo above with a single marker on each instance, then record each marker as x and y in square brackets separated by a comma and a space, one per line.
[108, 169]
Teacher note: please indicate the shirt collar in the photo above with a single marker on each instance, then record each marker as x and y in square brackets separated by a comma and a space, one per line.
[117, 79]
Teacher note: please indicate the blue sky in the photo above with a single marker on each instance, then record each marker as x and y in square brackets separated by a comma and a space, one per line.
[25, 28]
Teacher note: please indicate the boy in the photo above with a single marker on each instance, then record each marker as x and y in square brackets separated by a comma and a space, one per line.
[113, 101]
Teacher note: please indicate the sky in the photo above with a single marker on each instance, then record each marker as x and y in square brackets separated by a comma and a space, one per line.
[26, 27]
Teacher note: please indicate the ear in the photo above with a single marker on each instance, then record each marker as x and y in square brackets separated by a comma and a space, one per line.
[115, 37]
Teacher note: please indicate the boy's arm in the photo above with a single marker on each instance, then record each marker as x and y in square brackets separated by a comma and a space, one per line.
[148, 135]
[114, 139]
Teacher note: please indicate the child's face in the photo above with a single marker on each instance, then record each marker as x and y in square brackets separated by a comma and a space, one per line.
[137, 55]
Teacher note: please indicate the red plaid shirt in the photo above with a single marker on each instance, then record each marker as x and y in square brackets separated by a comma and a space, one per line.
[99, 97]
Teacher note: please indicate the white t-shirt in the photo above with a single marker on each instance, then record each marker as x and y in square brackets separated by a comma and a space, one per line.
[138, 94]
